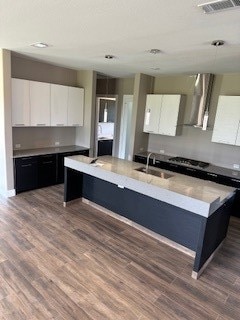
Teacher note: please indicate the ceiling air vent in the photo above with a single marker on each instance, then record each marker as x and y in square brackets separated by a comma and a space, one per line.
[221, 5]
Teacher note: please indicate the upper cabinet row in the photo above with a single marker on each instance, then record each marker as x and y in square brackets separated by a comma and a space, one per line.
[163, 114]
[44, 104]
[227, 122]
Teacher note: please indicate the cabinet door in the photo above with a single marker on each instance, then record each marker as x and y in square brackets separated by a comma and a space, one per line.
[75, 106]
[20, 103]
[105, 147]
[227, 120]
[26, 173]
[40, 103]
[152, 113]
[47, 170]
[59, 99]
[169, 114]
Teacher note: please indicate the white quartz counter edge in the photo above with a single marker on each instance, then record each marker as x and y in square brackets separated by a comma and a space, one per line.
[179, 200]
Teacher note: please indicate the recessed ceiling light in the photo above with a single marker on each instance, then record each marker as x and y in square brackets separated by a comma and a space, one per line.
[109, 56]
[39, 45]
[217, 43]
[155, 51]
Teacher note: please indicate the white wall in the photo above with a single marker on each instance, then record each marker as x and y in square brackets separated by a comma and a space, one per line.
[6, 161]
[85, 135]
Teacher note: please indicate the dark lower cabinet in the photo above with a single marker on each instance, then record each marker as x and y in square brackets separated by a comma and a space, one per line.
[105, 147]
[41, 171]
[26, 173]
[47, 170]
[60, 162]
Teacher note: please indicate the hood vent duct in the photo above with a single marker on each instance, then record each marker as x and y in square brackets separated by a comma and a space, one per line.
[201, 100]
[220, 5]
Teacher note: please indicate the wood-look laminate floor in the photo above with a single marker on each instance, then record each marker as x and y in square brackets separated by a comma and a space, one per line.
[78, 263]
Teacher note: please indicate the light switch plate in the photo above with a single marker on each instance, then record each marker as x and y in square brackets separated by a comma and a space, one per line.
[162, 151]
[57, 143]
[17, 145]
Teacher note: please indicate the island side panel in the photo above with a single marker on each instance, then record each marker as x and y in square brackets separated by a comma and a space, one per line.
[175, 223]
[73, 181]
[213, 232]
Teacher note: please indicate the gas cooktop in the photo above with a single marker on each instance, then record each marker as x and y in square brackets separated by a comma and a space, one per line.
[190, 162]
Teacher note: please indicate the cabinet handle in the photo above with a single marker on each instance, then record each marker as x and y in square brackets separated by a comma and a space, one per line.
[157, 161]
[212, 174]
[60, 124]
[41, 124]
[75, 124]
[26, 158]
[19, 124]
[47, 162]
[26, 165]
[190, 169]
[235, 180]
[173, 165]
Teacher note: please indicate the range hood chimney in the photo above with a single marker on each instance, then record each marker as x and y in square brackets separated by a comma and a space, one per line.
[201, 100]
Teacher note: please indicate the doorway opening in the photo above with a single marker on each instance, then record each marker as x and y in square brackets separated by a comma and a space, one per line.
[105, 125]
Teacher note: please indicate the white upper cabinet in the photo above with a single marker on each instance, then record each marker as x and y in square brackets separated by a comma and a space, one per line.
[40, 103]
[43, 104]
[152, 113]
[20, 103]
[162, 114]
[59, 102]
[75, 106]
[227, 121]
[169, 114]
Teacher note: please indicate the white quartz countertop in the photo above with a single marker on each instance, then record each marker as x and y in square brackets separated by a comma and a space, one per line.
[49, 150]
[198, 196]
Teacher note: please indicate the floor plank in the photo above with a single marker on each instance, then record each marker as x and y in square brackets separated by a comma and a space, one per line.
[79, 263]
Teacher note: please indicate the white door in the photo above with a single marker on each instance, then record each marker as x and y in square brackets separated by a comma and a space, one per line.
[20, 103]
[227, 120]
[40, 103]
[169, 114]
[75, 106]
[152, 113]
[125, 128]
[59, 100]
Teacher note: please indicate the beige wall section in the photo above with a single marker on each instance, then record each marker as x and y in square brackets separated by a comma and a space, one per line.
[24, 68]
[6, 161]
[142, 86]
[195, 143]
[85, 134]
[31, 138]
[123, 86]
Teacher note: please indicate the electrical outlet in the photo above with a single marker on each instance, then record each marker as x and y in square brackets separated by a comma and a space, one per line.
[236, 166]
[57, 143]
[17, 145]
[162, 151]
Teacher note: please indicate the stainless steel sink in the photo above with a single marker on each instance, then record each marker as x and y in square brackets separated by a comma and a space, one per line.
[156, 173]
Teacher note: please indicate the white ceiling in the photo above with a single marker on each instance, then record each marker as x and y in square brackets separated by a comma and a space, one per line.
[80, 33]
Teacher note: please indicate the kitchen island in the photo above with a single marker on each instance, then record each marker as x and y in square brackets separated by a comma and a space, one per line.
[188, 211]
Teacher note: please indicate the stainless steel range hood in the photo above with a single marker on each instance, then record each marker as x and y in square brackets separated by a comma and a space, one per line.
[201, 100]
